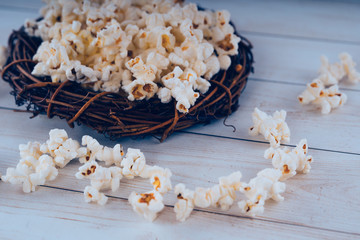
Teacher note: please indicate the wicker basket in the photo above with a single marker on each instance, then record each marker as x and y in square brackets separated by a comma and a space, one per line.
[112, 113]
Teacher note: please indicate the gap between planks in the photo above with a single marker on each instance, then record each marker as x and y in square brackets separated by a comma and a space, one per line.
[217, 136]
[219, 213]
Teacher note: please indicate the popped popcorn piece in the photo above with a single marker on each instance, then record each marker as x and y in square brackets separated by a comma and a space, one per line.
[100, 177]
[140, 89]
[31, 149]
[326, 98]
[228, 185]
[92, 194]
[31, 172]
[290, 161]
[160, 178]
[140, 70]
[349, 66]
[330, 73]
[133, 164]
[60, 147]
[3, 56]
[264, 186]
[147, 204]
[206, 197]
[94, 150]
[273, 128]
[185, 204]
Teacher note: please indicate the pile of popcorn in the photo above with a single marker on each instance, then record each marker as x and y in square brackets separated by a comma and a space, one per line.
[324, 90]
[146, 48]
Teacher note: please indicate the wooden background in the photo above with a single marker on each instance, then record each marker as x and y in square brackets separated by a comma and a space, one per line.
[288, 39]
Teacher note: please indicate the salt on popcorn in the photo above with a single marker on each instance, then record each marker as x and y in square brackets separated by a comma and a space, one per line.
[90, 42]
[147, 204]
[326, 98]
[273, 128]
[290, 161]
[264, 186]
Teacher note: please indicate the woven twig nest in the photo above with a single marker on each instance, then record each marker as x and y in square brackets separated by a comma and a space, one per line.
[112, 113]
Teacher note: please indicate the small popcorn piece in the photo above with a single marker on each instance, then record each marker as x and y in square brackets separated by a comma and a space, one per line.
[264, 186]
[326, 98]
[228, 185]
[140, 89]
[141, 70]
[31, 149]
[60, 147]
[160, 178]
[94, 150]
[206, 197]
[147, 204]
[290, 161]
[3, 56]
[185, 203]
[349, 66]
[330, 74]
[133, 164]
[92, 194]
[31, 172]
[273, 128]
[101, 177]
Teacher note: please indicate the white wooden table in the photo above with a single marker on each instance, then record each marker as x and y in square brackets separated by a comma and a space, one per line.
[288, 39]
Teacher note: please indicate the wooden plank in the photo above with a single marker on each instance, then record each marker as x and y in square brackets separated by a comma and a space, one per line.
[323, 199]
[324, 21]
[296, 61]
[41, 215]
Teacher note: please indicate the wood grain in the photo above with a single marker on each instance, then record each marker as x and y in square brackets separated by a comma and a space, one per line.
[57, 214]
[200, 160]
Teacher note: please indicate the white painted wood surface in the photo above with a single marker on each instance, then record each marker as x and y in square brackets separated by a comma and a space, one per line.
[288, 39]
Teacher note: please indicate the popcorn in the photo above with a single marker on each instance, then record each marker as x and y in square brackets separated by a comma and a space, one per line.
[94, 150]
[290, 161]
[331, 74]
[60, 147]
[228, 185]
[326, 98]
[133, 164]
[273, 128]
[349, 66]
[92, 194]
[159, 178]
[100, 177]
[31, 172]
[185, 203]
[147, 204]
[264, 186]
[99, 42]
[31, 149]
[3, 56]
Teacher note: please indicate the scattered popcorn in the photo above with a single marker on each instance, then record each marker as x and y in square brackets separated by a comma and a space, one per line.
[147, 204]
[290, 161]
[160, 178]
[273, 128]
[326, 98]
[60, 147]
[349, 67]
[97, 43]
[264, 186]
[228, 185]
[3, 56]
[330, 74]
[185, 203]
[92, 194]
[101, 178]
[94, 150]
[32, 172]
[133, 164]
